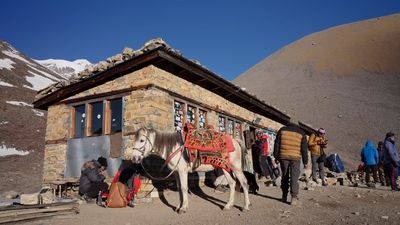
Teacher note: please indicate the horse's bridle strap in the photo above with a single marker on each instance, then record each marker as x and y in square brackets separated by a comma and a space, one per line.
[173, 154]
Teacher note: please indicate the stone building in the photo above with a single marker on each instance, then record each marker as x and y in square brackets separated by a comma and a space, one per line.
[96, 112]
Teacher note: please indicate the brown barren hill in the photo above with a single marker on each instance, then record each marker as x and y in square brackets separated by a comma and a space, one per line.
[345, 79]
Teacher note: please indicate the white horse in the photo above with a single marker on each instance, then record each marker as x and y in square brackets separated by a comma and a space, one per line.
[167, 146]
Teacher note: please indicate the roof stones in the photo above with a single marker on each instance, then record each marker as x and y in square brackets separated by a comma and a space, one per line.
[127, 54]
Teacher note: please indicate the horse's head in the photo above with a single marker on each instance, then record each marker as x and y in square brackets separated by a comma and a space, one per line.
[142, 146]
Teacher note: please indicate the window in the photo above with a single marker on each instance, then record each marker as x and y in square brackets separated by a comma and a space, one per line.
[230, 126]
[101, 118]
[178, 115]
[221, 124]
[202, 118]
[191, 115]
[80, 119]
[238, 130]
[96, 118]
[116, 115]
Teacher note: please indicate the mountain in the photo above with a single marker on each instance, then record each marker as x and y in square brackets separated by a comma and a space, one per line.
[22, 128]
[345, 79]
[64, 67]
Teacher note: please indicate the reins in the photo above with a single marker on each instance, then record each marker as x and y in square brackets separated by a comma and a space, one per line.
[152, 152]
[166, 162]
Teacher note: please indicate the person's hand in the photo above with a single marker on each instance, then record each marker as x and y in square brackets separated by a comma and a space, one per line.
[305, 166]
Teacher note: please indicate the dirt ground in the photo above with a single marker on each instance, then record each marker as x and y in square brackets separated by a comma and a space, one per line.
[324, 205]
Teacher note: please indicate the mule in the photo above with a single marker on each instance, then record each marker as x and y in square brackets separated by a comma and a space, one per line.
[168, 146]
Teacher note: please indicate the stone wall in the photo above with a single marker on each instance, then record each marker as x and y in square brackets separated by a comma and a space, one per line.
[58, 123]
[54, 161]
[159, 77]
[142, 107]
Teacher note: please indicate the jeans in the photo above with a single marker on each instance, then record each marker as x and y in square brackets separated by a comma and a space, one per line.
[317, 165]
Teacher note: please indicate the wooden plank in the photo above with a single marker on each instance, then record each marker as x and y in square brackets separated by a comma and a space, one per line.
[17, 207]
[19, 212]
[72, 124]
[59, 141]
[36, 216]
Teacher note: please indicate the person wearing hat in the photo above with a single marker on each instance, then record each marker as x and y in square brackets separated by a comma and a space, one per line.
[316, 145]
[291, 147]
[390, 160]
[93, 174]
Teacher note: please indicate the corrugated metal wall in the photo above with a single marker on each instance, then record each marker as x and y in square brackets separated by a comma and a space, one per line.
[83, 149]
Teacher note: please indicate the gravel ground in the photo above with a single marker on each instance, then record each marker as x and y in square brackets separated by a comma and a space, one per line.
[324, 205]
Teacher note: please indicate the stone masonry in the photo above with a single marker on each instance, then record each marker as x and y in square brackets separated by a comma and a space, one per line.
[142, 107]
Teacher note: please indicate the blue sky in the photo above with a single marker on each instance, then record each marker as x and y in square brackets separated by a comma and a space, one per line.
[228, 37]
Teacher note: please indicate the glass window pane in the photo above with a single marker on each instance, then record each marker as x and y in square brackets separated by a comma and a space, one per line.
[191, 115]
[202, 118]
[97, 118]
[230, 127]
[116, 115]
[221, 123]
[80, 118]
[238, 130]
[178, 115]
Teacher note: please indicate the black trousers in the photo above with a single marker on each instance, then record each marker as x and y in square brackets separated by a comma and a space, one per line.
[371, 169]
[95, 188]
[290, 177]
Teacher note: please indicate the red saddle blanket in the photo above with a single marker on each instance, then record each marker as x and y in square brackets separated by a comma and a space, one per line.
[209, 147]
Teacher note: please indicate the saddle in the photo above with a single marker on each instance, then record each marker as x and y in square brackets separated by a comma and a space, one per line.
[207, 146]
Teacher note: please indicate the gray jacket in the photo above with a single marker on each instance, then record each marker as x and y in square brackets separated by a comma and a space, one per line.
[90, 173]
[390, 154]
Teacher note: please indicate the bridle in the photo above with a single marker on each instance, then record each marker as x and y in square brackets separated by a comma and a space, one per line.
[152, 152]
[142, 148]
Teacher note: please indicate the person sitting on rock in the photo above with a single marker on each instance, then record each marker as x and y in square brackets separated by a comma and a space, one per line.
[91, 182]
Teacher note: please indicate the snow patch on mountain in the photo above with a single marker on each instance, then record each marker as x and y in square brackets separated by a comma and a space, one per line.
[18, 103]
[5, 84]
[4, 151]
[15, 54]
[38, 82]
[37, 112]
[6, 64]
[64, 67]
[44, 73]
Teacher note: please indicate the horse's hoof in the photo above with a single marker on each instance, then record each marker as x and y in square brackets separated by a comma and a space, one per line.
[181, 211]
[226, 208]
[245, 209]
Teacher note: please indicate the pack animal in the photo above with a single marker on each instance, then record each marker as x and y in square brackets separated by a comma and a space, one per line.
[168, 146]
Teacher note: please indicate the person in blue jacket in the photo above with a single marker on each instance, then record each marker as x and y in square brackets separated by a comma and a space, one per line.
[370, 158]
[390, 160]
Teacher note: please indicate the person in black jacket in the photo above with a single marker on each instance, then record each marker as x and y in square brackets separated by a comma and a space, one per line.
[93, 174]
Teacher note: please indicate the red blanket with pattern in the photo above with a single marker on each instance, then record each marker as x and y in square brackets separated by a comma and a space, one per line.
[209, 146]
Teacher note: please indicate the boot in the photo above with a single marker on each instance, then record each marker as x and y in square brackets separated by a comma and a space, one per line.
[294, 200]
[284, 198]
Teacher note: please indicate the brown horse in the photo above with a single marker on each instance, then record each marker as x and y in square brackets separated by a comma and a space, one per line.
[167, 146]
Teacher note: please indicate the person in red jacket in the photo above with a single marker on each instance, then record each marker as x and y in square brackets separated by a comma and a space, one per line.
[263, 157]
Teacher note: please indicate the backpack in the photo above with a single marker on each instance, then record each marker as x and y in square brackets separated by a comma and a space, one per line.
[116, 196]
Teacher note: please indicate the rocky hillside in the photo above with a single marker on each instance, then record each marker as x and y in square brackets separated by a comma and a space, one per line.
[22, 128]
[345, 79]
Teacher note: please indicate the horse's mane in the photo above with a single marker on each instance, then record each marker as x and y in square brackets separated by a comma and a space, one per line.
[163, 140]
